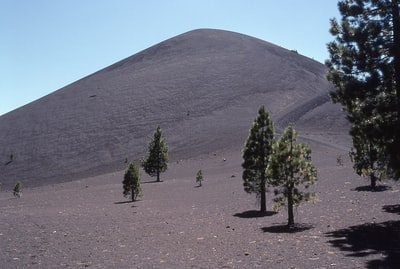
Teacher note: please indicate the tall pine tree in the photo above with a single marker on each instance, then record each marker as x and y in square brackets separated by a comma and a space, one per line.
[256, 152]
[364, 66]
[289, 168]
[156, 160]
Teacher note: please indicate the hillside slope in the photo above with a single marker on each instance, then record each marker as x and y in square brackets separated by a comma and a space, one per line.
[202, 87]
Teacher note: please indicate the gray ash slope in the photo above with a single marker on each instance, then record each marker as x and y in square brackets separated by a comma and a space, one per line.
[202, 87]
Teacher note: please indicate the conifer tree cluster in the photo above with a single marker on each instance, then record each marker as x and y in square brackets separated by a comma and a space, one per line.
[267, 162]
[281, 163]
[155, 162]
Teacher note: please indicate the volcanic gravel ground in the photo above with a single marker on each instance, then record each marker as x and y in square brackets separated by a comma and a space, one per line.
[89, 224]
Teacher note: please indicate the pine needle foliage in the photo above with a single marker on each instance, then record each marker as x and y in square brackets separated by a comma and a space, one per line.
[156, 160]
[364, 66]
[291, 172]
[256, 152]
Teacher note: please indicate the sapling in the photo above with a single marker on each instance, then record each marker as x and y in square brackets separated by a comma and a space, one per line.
[18, 189]
[199, 177]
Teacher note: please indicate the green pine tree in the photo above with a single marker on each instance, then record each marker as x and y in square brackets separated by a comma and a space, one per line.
[156, 160]
[256, 152]
[289, 168]
[199, 177]
[131, 183]
[364, 66]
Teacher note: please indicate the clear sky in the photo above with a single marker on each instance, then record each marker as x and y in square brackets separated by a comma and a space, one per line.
[48, 44]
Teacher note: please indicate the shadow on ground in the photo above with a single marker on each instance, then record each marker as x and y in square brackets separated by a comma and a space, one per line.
[381, 239]
[151, 182]
[284, 228]
[123, 202]
[395, 209]
[254, 214]
[371, 189]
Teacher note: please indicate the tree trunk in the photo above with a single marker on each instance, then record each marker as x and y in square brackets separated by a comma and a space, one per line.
[290, 206]
[396, 44]
[373, 180]
[396, 53]
[263, 199]
[133, 194]
[158, 167]
[290, 187]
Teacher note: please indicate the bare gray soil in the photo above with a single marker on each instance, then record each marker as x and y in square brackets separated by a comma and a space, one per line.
[88, 223]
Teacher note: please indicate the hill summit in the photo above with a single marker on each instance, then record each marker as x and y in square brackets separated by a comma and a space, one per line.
[202, 87]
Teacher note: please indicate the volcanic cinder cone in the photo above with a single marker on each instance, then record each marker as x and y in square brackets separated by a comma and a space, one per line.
[203, 88]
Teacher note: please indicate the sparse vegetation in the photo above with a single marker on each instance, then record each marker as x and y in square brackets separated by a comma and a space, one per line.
[156, 160]
[18, 189]
[256, 152]
[290, 166]
[364, 66]
[199, 177]
[339, 160]
[131, 183]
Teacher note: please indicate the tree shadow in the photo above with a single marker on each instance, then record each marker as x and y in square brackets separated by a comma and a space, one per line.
[379, 188]
[151, 182]
[284, 228]
[254, 214]
[123, 202]
[395, 209]
[381, 239]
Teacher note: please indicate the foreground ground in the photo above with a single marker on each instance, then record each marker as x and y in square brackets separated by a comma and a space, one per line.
[88, 223]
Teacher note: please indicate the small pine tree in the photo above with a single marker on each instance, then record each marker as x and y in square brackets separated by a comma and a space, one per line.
[256, 152]
[156, 160]
[131, 183]
[290, 166]
[199, 177]
[18, 189]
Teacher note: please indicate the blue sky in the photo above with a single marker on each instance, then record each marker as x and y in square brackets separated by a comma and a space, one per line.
[48, 44]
